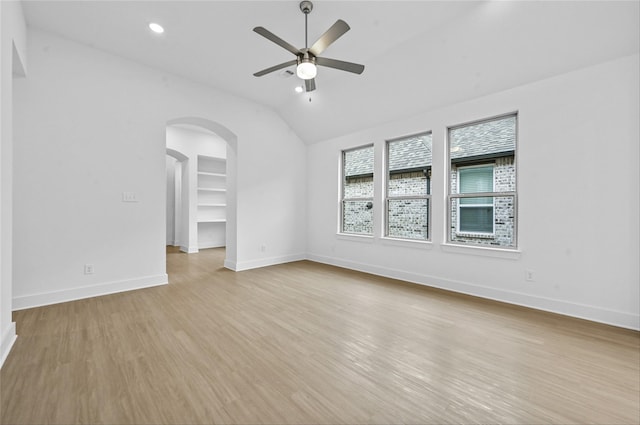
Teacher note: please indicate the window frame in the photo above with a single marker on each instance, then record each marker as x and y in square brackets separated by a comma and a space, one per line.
[500, 194]
[476, 195]
[342, 197]
[426, 197]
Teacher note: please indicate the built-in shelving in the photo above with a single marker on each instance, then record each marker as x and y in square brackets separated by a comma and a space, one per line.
[212, 201]
[212, 188]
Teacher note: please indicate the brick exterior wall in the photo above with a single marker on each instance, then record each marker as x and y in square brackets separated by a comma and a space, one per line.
[359, 187]
[357, 217]
[413, 183]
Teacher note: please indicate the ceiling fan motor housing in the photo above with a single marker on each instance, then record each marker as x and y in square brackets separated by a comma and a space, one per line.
[306, 7]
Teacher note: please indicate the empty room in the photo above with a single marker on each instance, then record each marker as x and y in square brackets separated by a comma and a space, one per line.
[327, 212]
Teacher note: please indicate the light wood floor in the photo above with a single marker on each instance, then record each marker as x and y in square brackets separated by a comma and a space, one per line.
[308, 343]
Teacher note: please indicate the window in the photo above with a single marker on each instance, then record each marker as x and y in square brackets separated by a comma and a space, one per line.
[482, 188]
[357, 191]
[475, 215]
[408, 194]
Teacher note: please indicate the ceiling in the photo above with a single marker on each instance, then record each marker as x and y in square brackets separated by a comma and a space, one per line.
[418, 55]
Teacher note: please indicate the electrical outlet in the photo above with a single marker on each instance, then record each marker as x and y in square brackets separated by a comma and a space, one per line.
[529, 275]
[263, 248]
[88, 269]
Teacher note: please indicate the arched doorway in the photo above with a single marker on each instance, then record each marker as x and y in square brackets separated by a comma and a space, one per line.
[231, 181]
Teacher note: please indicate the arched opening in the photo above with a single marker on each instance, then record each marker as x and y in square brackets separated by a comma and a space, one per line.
[186, 192]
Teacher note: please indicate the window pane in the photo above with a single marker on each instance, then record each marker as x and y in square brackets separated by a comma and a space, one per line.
[358, 187]
[357, 213]
[408, 218]
[358, 161]
[357, 217]
[476, 219]
[476, 179]
[408, 175]
[483, 139]
[482, 160]
[358, 173]
[480, 201]
[406, 184]
[411, 152]
[409, 162]
[484, 225]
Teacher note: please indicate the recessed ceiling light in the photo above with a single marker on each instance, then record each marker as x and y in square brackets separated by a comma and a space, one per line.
[157, 28]
[299, 89]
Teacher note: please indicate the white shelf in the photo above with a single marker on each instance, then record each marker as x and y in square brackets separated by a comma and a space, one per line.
[212, 216]
[212, 205]
[206, 173]
[210, 164]
[212, 189]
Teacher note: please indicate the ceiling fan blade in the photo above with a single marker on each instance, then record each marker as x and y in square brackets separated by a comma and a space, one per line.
[332, 34]
[310, 85]
[275, 68]
[280, 42]
[341, 65]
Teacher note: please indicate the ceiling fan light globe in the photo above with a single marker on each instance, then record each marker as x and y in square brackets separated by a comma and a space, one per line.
[306, 70]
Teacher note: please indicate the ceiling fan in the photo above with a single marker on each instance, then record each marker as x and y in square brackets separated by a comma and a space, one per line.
[308, 59]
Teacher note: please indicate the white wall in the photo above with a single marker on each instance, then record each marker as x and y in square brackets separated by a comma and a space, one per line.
[578, 200]
[171, 200]
[89, 126]
[13, 64]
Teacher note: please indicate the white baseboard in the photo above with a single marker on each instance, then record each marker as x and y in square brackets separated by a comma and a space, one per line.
[72, 294]
[212, 244]
[593, 313]
[189, 249]
[7, 340]
[263, 262]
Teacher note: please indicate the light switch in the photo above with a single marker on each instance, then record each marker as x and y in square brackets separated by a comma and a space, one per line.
[130, 197]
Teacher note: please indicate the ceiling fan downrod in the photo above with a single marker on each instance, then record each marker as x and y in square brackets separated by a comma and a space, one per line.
[306, 7]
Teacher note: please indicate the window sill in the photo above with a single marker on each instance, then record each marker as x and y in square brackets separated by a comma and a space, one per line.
[355, 238]
[475, 235]
[413, 243]
[484, 251]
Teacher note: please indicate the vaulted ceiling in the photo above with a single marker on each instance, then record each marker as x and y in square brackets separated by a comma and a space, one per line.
[418, 54]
